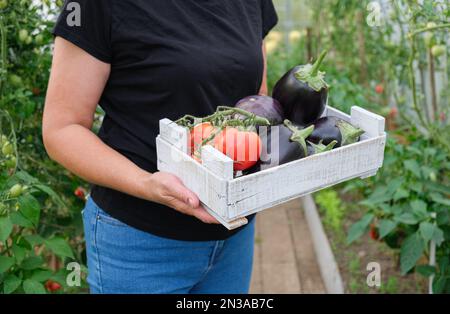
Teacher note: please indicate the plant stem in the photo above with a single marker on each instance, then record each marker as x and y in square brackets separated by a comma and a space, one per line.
[318, 63]
[412, 80]
[427, 29]
[3, 57]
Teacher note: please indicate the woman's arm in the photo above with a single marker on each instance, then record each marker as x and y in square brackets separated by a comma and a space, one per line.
[76, 83]
[264, 90]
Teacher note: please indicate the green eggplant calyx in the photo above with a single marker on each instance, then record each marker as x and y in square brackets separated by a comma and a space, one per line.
[349, 133]
[310, 74]
[321, 148]
[299, 135]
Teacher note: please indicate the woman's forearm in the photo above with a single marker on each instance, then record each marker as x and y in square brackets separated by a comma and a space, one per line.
[80, 151]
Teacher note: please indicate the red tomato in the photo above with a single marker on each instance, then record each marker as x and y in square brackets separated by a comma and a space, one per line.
[199, 133]
[80, 193]
[374, 235]
[393, 112]
[379, 89]
[52, 286]
[244, 147]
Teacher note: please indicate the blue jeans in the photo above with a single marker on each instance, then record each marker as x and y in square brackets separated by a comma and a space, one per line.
[122, 259]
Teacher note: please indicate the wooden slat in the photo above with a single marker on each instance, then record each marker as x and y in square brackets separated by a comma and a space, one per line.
[174, 134]
[370, 122]
[211, 189]
[272, 186]
[218, 163]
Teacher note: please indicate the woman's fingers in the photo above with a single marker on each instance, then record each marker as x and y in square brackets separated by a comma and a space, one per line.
[198, 212]
[180, 192]
[202, 214]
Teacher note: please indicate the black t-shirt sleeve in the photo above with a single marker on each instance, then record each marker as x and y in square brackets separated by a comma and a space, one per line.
[93, 32]
[269, 16]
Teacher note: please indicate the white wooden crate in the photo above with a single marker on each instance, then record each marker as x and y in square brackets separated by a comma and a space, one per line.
[230, 199]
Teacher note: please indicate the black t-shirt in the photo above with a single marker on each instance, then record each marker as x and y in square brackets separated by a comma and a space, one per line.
[168, 58]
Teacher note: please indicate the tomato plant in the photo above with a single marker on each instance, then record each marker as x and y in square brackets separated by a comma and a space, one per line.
[40, 225]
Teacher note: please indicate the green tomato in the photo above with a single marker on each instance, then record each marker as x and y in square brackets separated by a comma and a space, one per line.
[11, 163]
[39, 39]
[431, 24]
[29, 40]
[23, 35]
[433, 177]
[15, 80]
[16, 190]
[3, 139]
[3, 4]
[7, 148]
[438, 50]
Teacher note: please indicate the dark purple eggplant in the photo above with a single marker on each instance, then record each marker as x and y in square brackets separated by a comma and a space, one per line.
[303, 92]
[263, 106]
[328, 129]
[319, 148]
[281, 144]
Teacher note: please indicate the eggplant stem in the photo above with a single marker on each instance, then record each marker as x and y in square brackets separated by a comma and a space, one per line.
[318, 63]
[299, 135]
[349, 133]
[320, 148]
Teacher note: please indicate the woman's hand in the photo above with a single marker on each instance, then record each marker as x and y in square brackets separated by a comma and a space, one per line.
[167, 189]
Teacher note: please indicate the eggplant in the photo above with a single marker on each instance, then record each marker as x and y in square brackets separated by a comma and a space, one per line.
[319, 148]
[263, 106]
[281, 144]
[328, 129]
[303, 92]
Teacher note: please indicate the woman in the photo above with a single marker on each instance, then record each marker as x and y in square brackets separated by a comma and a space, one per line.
[142, 61]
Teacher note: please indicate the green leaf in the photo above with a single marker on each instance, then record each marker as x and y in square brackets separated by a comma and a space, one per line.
[50, 193]
[419, 208]
[394, 185]
[438, 236]
[386, 226]
[34, 239]
[6, 228]
[30, 208]
[32, 262]
[407, 218]
[437, 187]
[438, 198]
[439, 284]
[26, 177]
[410, 252]
[41, 275]
[426, 230]
[413, 166]
[60, 247]
[359, 228]
[400, 193]
[11, 283]
[5, 263]
[18, 219]
[33, 287]
[426, 270]
[19, 253]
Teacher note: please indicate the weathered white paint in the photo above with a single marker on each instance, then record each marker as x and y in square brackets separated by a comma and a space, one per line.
[235, 198]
